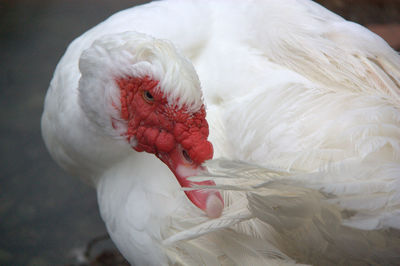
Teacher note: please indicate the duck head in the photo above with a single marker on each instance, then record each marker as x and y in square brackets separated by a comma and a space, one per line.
[143, 90]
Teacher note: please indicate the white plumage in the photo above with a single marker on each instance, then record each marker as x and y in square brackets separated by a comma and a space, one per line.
[304, 115]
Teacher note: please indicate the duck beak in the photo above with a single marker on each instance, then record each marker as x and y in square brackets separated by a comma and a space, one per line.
[208, 200]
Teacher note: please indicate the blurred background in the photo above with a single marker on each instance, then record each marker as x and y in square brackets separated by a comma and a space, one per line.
[46, 216]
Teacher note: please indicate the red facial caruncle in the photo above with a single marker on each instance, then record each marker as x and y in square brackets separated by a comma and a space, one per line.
[174, 135]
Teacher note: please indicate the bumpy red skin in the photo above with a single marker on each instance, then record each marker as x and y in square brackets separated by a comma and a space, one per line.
[165, 130]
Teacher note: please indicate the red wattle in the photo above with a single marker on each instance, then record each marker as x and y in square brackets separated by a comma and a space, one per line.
[177, 137]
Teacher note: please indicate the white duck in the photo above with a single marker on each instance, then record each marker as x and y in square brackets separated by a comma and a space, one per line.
[310, 98]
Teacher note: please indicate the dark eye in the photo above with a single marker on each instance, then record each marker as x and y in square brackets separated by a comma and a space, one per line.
[147, 96]
[186, 156]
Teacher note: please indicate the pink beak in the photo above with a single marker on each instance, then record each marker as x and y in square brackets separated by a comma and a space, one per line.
[209, 200]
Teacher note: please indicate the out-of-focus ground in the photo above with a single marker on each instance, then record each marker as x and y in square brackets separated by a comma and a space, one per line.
[380, 16]
[46, 216]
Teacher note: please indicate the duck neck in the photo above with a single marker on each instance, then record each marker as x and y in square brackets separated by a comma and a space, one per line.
[137, 198]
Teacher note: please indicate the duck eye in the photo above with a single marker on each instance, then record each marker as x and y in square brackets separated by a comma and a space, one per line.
[147, 96]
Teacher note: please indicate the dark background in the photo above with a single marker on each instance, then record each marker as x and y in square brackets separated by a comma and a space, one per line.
[46, 216]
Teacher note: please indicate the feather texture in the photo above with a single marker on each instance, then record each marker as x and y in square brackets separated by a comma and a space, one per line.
[307, 223]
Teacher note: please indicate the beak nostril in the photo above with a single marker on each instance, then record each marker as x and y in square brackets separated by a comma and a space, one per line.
[186, 156]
